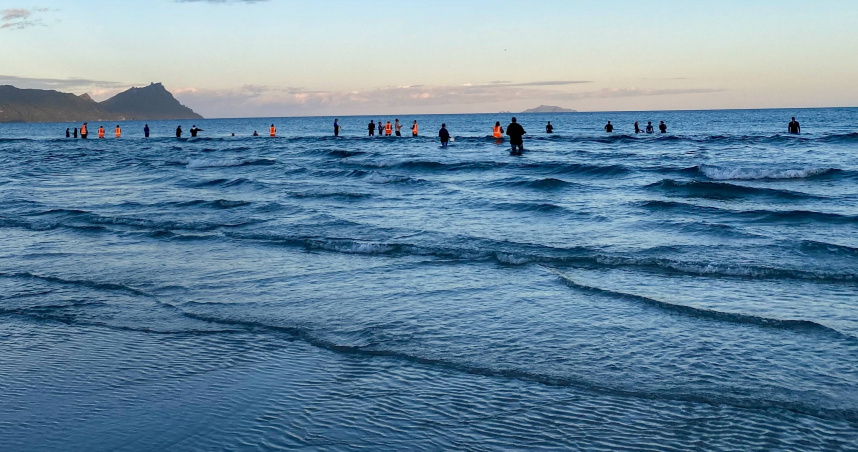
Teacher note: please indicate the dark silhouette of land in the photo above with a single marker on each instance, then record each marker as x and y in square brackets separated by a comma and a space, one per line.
[153, 102]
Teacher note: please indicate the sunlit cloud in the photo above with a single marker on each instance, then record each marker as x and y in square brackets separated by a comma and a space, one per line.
[20, 18]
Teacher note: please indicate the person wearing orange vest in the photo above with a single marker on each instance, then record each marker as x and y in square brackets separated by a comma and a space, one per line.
[414, 129]
[83, 131]
[118, 132]
[101, 132]
[272, 131]
[497, 132]
[388, 129]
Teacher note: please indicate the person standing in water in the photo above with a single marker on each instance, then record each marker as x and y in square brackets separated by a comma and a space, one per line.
[414, 129]
[637, 127]
[100, 131]
[195, 131]
[388, 129]
[444, 135]
[336, 127]
[146, 131]
[380, 128]
[83, 132]
[68, 134]
[609, 127]
[497, 131]
[179, 132]
[516, 137]
[255, 133]
[649, 128]
[662, 127]
[75, 132]
[549, 128]
[272, 131]
[118, 131]
[398, 127]
[371, 128]
[794, 127]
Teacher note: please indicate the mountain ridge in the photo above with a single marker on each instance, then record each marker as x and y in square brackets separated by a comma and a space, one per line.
[152, 102]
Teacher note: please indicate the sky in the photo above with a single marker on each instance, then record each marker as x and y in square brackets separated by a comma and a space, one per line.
[232, 58]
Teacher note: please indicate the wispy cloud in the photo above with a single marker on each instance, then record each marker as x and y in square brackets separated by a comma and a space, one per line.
[61, 84]
[257, 100]
[20, 18]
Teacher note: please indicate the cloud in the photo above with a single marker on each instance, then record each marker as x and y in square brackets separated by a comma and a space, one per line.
[20, 18]
[60, 84]
[610, 93]
[548, 83]
[259, 100]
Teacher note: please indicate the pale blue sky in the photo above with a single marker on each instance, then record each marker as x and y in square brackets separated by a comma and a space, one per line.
[284, 57]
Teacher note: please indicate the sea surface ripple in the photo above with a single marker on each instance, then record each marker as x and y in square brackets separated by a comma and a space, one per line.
[695, 290]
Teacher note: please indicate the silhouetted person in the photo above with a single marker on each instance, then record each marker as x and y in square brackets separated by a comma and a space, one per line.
[179, 132]
[371, 128]
[75, 132]
[662, 127]
[68, 134]
[649, 128]
[794, 127]
[516, 137]
[637, 127]
[195, 130]
[336, 127]
[146, 131]
[549, 128]
[83, 131]
[255, 133]
[444, 135]
[380, 128]
[609, 127]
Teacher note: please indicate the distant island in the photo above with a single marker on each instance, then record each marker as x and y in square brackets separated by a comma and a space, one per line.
[549, 109]
[153, 102]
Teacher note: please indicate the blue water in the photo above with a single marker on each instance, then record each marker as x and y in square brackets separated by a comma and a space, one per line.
[602, 292]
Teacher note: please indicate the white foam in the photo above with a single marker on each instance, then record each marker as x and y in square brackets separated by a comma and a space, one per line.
[759, 173]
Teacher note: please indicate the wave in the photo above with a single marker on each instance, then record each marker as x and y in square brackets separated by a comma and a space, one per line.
[224, 182]
[721, 190]
[76, 282]
[377, 178]
[93, 219]
[579, 169]
[507, 253]
[716, 173]
[788, 324]
[312, 338]
[219, 163]
[757, 216]
[344, 154]
[548, 183]
[529, 207]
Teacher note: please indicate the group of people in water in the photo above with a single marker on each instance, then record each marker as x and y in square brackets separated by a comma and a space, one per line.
[514, 131]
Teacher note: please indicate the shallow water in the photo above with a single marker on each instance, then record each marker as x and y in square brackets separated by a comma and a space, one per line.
[603, 292]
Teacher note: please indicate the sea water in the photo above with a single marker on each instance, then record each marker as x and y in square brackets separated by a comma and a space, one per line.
[692, 290]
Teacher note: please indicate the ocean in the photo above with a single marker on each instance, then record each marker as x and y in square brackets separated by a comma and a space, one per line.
[688, 291]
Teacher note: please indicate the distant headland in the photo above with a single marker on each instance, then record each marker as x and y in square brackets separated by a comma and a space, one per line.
[549, 109]
[153, 102]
